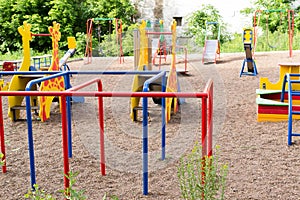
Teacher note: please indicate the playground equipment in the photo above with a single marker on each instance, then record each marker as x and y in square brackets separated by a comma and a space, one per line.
[292, 81]
[171, 84]
[159, 47]
[89, 37]
[270, 107]
[256, 22]
[161, 52]
[251, 66]
[19, 81]
[206, 129]
[212, 46]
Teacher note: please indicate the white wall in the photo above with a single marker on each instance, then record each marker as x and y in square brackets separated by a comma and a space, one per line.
[229, 10]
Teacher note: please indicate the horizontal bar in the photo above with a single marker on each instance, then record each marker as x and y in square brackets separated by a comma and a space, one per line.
[295, 93]
[106, 94]
[158, 33]
[78, 87]
[102, 19]
[295, 134]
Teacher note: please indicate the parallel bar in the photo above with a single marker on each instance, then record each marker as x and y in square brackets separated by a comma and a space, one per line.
[106, 94]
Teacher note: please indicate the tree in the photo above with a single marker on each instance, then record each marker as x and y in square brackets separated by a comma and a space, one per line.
[197, 24]
[274, 17]
[71, 14]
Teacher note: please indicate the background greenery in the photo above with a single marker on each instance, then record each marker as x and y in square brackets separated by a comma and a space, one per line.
[73, 14]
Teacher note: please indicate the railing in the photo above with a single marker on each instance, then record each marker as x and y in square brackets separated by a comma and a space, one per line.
[207, 113]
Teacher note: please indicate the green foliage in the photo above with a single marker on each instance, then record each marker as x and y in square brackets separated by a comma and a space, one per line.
[272, 42]
[274, 16]
[71, 193]
[38, 194]
[2, 162]
[193, 184]
[197, 24]
[108, 45]
[71, 14]
[113, 197]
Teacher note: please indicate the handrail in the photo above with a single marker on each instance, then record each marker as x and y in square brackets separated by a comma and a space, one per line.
[206, 129]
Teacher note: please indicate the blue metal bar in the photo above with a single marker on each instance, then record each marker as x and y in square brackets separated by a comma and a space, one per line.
[30, 142]
[147, 83]
[163, 120]
[295, 134]
[290, 117]
[283, 88]
[69, 115]
[29, 125]
[145, 145]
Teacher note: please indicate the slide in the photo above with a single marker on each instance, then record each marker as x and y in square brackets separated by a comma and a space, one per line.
[210, 51]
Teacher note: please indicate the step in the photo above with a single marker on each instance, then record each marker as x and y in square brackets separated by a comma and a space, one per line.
[14, 108]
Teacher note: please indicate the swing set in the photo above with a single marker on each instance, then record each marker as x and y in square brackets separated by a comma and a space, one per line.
[89, 37]
[290, 19]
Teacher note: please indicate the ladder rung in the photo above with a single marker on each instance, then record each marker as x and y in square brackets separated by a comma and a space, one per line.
[295, 134]
[296, 93]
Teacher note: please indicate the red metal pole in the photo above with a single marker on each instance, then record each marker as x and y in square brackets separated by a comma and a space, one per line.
[204, 127]
[210, 120]
[64, 128]
[2, 141]
[101, 123]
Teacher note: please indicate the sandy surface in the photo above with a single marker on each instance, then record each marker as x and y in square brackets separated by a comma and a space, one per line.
[261, 165]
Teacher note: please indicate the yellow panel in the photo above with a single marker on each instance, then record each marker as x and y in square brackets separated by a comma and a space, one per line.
[248, 36]
[285, 68]
[143, 61]
[71, 42]
[274, 117]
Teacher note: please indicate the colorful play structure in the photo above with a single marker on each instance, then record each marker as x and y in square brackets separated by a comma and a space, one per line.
[270, 107]
[164, 49]
[19, 81]
[281, 101]
[170, 84]
[211, 50]
[251, 66]
[56, 83]
[256, 24]
[89, 36]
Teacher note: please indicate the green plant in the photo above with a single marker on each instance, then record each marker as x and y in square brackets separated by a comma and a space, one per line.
[113, 197]
[202, 178]
[38, 194]
[71, 193]
[2, 162]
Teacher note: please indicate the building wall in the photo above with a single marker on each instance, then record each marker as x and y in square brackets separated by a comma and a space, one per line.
[155, 10]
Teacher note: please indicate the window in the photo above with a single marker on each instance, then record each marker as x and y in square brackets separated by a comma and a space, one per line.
[178, 20]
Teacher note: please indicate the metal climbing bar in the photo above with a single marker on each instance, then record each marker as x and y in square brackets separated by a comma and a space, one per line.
[290, 80]
[206, 108]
